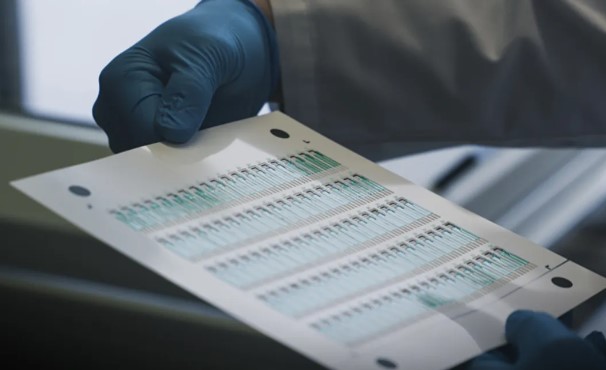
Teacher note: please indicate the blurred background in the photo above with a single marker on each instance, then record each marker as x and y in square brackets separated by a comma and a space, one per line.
[69, 300]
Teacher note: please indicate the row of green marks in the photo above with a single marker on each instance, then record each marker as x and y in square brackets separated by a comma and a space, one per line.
[235, 187]
[400, 306]
[370, 271]
[201, 239]
[358, 232]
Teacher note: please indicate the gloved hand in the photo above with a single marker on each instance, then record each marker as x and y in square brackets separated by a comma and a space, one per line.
[537, 341]
[214, 64]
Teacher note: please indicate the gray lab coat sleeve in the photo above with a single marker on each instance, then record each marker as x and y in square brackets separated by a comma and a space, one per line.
[381, 76]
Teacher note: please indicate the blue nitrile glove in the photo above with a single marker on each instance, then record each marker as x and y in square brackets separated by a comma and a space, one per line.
[537, 341]
[214, 64]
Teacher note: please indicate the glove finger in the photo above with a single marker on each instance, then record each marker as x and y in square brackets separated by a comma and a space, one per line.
[129, 91]
[531, 331]
[597, 339]
[544, 343]
[183, 107]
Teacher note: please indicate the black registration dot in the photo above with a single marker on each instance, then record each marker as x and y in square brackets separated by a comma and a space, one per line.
[279, 133]
[79, 190]
[388, 364]
[561, 282]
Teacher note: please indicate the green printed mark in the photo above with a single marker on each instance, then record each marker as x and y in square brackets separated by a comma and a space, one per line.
[299, 167]
[126, 216]
[369, 183]
[235, 185]
[432, 301]
[120, 217]
[512, 257]
[325, 159]
[323, 166]
[180, 203]
[309, 168]
[204, 198]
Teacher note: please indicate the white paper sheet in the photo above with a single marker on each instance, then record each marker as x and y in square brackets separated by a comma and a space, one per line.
[314, 245]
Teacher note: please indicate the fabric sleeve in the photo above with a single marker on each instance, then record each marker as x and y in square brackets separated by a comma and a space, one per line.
[385, 76]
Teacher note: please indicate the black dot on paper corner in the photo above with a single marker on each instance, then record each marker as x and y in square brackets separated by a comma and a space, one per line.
[279, 133]
[79, 190]
[386, 363]
[561, 282]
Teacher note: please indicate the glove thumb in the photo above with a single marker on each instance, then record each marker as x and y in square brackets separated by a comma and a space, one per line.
[183, 107]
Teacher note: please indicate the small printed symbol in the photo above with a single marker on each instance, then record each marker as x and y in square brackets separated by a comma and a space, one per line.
[547, 267]
[306, 141]
[89, 206]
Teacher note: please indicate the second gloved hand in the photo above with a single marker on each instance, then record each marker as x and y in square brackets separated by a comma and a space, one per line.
[214, 64]
[537, 341]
